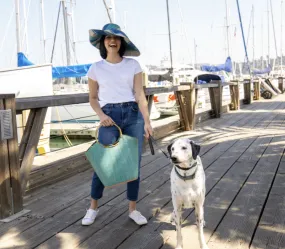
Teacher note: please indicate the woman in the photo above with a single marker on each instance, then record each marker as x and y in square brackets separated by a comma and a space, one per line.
[117, 96]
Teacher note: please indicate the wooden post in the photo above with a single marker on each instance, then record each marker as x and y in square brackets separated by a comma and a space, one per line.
[216, 94]
[29, 143]
[180, 100]
[256, 87]
[234, 90]
[191, 100]
[281, 84]
[247, 92]
[11, 201]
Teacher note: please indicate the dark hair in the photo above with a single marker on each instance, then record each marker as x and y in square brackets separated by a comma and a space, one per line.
[103, 50]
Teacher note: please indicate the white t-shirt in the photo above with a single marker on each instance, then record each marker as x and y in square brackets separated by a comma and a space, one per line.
[116, 81]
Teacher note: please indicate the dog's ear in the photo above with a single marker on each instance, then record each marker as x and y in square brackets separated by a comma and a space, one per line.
[195, 149]
[169, 149]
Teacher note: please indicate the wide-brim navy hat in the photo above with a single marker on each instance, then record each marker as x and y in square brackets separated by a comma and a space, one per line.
[112, 29]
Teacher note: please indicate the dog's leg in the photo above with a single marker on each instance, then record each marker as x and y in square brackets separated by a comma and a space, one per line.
[177, 218]
[199, 211]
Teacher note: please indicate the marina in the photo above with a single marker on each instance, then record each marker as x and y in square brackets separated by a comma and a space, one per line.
[212, 72]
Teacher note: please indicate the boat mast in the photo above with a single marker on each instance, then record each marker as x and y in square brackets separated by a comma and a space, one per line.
[66, 32]
[244, 44]
[253, 39]
[268, 30]
[281, 40]
[18, 35]
[227, 28]
[170, 47]
[108, 11]
[43, 30]
[274, 34]
[72, 4]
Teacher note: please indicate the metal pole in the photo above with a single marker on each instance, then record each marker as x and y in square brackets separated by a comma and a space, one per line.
[43, 30]
[195, 49]
[281, 40]
[18, 35]
[253, 40]
[55, 33]
[185, 33]
[73, 29]
[262, 35]
[268, 28]
[66, 32]
[227, 27]
[25, 36]
[113, 10]
[108, 12]
[241, 26]
[170, 48]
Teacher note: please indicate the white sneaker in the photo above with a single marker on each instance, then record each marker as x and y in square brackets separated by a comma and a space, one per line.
[89, 217]
[138, 218]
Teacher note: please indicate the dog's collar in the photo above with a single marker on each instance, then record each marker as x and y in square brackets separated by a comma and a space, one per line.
[186, 177]
[192, 166]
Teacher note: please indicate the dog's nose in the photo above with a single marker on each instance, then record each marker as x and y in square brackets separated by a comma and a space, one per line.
[174, 159]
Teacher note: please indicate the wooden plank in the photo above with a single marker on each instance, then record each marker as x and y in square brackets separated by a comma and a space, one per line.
[149, 180]
[79, 98]
[5, 187]
[271, 227]
[14, 164]
[81, 192]
[26, 134]
[220, 196]
[41, 232]
[249, 203]
[26, 164]
[151, 242]
[7, 96]
[121, 235]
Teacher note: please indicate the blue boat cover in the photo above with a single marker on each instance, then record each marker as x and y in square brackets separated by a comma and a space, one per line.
[216, 68]
[264, 71]
[58, 72]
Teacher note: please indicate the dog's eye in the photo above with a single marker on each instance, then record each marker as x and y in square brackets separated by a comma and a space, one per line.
[172, 149]
[184, 148]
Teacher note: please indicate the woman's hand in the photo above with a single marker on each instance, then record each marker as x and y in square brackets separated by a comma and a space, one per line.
[147, 130]
[105, 120]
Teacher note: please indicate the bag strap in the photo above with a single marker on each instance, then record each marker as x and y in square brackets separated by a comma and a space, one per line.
[110, 145]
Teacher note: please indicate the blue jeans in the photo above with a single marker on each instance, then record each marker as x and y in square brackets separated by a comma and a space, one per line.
[128, 117]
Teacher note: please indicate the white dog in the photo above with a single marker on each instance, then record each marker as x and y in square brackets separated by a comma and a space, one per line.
[187, 185]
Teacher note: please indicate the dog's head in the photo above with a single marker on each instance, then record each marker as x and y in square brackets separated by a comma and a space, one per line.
[182, 150]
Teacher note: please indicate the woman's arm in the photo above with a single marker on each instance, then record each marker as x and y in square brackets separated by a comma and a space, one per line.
[93, 99]
[142, 103]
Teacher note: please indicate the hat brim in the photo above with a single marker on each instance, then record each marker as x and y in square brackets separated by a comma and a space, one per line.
[96, 34]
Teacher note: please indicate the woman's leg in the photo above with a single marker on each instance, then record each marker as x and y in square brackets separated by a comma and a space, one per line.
[134, 128]
[107, 135]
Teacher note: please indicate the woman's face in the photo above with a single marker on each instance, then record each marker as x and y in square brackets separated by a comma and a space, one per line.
[112, 43]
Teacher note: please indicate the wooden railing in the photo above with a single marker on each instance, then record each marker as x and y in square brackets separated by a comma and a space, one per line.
[18, 161]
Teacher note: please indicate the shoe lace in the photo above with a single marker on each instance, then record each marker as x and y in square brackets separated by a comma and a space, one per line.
[89, 214]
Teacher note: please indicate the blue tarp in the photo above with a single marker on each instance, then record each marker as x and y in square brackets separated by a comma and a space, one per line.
[58, 72]
[216, 68]
[264, 71]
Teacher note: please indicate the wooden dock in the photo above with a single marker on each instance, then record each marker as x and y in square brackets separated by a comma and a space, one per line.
[243, 157]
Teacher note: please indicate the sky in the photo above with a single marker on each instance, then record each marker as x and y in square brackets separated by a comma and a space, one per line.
[146, 25]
